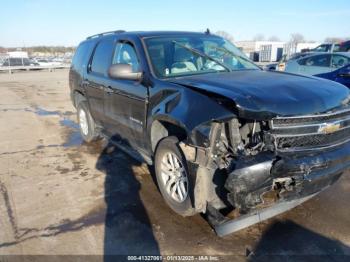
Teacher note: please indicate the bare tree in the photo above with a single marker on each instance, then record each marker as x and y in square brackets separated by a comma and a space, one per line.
[259, 37]
[225, 35]
[274, 38]
[296, 38]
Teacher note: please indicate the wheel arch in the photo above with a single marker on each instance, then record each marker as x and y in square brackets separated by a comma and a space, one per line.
[162, 128]
[78, 97]
[182, 112]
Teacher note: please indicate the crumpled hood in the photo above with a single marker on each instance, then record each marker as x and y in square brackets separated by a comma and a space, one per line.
[263, 94]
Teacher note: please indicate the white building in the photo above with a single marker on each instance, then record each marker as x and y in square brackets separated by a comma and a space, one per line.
[269, 50]
[290, 49]
[18, 54]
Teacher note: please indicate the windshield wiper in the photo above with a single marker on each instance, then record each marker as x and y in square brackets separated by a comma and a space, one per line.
[233, 54]
[195, 51]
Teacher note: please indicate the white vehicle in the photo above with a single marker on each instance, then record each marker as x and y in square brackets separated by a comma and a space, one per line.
[58, 60]
[46, 62]
[318, 63]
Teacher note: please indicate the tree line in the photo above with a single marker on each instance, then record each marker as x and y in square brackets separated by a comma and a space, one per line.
[41, 49]
[294, 38]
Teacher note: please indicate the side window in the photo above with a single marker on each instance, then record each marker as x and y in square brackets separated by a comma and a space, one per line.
[318, 60]
[77, 55]
[336, 48]
[339, 61]
[125, 53]
[102, 57]
[81, 54]
[322, 48]
[300, 61]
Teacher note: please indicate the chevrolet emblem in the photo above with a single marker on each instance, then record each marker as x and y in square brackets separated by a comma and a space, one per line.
[329, 128]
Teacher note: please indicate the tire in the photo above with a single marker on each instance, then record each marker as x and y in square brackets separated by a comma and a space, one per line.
[180, 201]
[87, 127]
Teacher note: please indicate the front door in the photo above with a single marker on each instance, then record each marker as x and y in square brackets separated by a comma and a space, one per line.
[317, 64]
[125, 100]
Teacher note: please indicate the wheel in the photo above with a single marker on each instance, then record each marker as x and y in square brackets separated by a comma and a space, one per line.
[86, 122]
[173, 180]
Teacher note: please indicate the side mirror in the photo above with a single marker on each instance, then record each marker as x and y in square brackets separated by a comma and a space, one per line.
[345, 72]
[123, 72]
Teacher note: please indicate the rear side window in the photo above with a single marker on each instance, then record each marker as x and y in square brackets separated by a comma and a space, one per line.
[318, 60]
[81, 54]
[102, 57]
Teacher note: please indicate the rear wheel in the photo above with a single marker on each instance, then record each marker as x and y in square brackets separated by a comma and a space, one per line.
[86, 122]
[173, 180]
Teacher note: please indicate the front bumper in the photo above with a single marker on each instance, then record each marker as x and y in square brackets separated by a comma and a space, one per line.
[264, 179]
[230, 226]
[266, 185]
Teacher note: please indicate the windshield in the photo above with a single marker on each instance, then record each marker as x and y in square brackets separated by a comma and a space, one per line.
[322, 48]
[326, 48]
[189, 55]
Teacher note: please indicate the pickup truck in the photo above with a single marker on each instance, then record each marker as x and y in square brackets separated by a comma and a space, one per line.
[226, 138]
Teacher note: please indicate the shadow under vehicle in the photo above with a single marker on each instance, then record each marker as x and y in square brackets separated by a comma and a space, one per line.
[226, 138]
[127, 226]
[296, 243]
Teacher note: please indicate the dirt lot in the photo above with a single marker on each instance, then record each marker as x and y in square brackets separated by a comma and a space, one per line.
[61, 196]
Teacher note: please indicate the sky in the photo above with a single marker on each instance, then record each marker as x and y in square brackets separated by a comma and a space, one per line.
[67, 22]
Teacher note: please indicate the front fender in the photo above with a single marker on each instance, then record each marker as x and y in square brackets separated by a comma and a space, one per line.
[190, 110]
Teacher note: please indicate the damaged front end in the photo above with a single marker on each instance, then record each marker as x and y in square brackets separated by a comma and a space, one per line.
[249, 171]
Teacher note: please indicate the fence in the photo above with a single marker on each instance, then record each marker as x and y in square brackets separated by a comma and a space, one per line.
[12, 69]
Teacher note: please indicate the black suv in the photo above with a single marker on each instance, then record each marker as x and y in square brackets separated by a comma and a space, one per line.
[225, 137]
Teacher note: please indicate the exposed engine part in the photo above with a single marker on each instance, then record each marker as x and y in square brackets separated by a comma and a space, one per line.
[232, 146]
[253, 137]
[284, 184]
[219, 151]
[246, 137]
[232, 139]
[235, 136]
[259, 183]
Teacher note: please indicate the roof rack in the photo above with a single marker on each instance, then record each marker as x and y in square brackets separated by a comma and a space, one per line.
[106, 33]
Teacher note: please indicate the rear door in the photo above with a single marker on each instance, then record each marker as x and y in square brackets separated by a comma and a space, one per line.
[316, 64]
[96, 79]
[125, 101]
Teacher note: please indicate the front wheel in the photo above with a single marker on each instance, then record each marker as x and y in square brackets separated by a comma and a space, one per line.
[173, 180]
